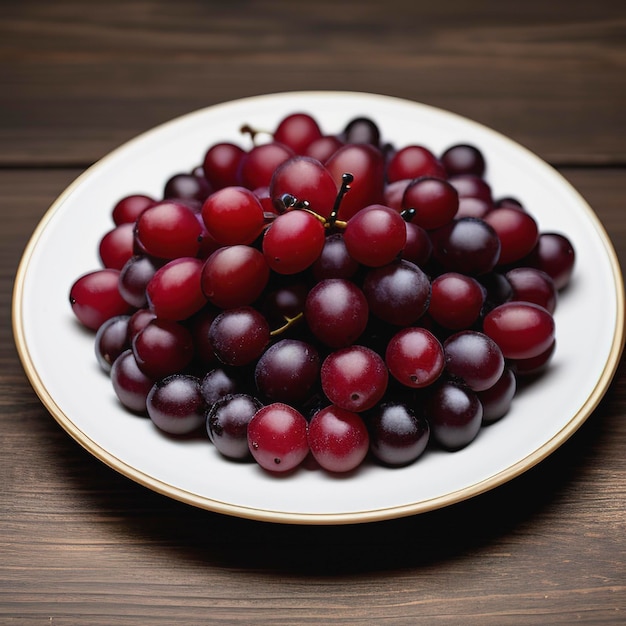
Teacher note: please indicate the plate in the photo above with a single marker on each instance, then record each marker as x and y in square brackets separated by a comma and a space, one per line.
[58, 355]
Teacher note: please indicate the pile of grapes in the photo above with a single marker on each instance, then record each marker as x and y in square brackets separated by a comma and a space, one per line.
[324, 296]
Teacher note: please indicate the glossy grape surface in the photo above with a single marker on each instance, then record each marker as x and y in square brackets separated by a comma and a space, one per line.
[176, 405]
[398, 436]
[415, 357]
[338, 439]
[473, 358]
[467, 245]
[376, 290]
[234, 276]
[130, 384]
[277, 437]
[111, 340]
[287, 371]
[523, 330]
[354, 378]
[95, 298]
[455, 415]
[175, 290]
[336, 311]
[227, 424]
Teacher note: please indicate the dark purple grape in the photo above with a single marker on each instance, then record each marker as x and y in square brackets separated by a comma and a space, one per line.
[397, 293]
[130, 384]
[336, 311]
[467, 245]
[284, 303]
[474, 358]
[472, 186]
[496, 400]
[533, 285]
[175, 404]
[463, 159]
[553, 254]
[227, 424]
[162, 348]
[218, 383]
[455, 415]
[134, 278]
[497, 288]
[334, 261]
[199, 326]
[239, 336]
[111, 340]
[187, 187]
[361, 130]
[398, 436]
[287, 371]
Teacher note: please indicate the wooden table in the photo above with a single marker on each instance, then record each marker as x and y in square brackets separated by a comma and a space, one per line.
[80, 544]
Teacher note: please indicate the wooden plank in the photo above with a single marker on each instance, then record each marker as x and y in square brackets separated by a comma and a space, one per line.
[76, 79]
[82, 544]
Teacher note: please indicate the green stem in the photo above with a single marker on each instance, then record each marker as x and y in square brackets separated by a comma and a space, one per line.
[289, 322]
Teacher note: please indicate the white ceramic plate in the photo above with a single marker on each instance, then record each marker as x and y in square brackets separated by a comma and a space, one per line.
[58, 355]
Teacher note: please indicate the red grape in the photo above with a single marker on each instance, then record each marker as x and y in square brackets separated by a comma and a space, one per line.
[233, 215]
[234, 276]
[338, 439]
[375, 236]
[169, 230]
[413, 162]
[175, 290]
[277, 437]
[523, 330]
[367, 166]
[435, 201]
[95, 297]
[354, 378]
[415, 357]
[307, 180]
[293, 242]
[221, 164]
[297, 131]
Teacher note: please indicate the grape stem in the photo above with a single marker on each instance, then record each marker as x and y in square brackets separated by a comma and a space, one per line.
[408, 214]
[246, 129]
[346, 180]
[289, 322]
[287, 201]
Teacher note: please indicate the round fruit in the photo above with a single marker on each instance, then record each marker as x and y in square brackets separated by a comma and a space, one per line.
[397, 435]
[277, 437]
[227, 424]
[415, 357]
[95, 298]
[523, 330]
[354, 378]
[176, 405]
[338, 439]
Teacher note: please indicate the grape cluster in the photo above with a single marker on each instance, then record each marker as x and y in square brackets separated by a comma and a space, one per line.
[324, 295]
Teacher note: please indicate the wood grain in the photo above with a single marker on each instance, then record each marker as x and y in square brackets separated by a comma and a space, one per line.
[78, 79]
[80, 544]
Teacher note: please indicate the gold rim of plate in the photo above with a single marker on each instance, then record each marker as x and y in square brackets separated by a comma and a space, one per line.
[260, 514]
